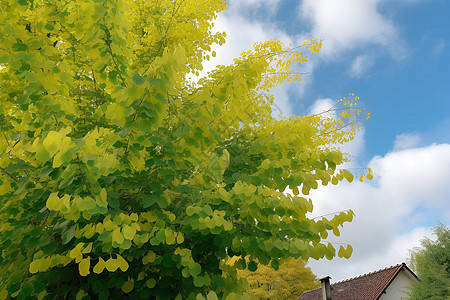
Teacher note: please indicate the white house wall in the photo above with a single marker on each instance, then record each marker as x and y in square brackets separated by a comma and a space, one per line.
[398, 289]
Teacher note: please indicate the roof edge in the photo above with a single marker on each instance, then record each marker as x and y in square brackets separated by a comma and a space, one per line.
[400, 267]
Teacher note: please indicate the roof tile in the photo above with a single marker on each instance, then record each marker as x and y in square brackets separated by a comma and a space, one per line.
[365, 287]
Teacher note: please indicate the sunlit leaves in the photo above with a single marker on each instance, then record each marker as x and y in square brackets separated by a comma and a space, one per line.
[118, 172]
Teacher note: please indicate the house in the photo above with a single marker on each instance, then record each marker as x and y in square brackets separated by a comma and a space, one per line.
[391, 283]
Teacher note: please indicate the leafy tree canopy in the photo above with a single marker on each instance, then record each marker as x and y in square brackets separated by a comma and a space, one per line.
[120, 177]
[291, 280]
[431, 262]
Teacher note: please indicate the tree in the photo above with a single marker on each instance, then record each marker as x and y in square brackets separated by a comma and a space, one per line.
[431, 263]
[291, 280]
[121, 178]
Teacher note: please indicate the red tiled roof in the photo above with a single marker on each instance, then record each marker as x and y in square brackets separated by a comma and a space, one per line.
[365, 287]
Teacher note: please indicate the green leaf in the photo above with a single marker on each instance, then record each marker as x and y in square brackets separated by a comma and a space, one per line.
[86, 203]
[212, 296]
[49, 27]
[148, 200]
[198, 281]
[275, 263]
[68, 234]
[195, 269]
[150, 283]
[252, 266]
[45, 172]
[138, 79]
[104, 294]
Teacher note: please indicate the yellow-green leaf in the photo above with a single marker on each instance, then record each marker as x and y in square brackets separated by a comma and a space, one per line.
[53, 202]
[341, 252]
[112, 265]
[100, 266]
[84, 266]
[3, 294]
[5, 187]
[123, 264]
[211, 296]
[141, 276]
[129, 232]
[150, 283]
[336, 231]
[180, 238]
[305, 189]
[80, 295]
[128, 286]
[149, 258]
[35, 266]
[75, 252]
[117, 236]
[88, 248]
[347, 175]
[348, 251]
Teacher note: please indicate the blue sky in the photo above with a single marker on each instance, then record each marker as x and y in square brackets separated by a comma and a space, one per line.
[394, 55]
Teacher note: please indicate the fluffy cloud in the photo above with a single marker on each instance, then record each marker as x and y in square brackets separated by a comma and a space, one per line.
[254, 4]
[439, 47]
[321, 105]
[361, 64]
[410, 187]
[350, 24]
[406, 140]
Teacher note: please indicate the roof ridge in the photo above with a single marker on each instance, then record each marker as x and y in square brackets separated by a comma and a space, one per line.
[367, 274]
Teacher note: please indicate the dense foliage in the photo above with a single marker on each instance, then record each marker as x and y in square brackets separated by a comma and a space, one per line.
[431, 263]
[121, 178]
[291, 280]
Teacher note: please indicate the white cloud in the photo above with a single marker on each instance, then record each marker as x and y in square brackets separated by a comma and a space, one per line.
[361, 64]
[321, 105]
[406, 140]
[439, 47]
[350, 24]
[242, 33]
[407, 184]
[254, 4]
